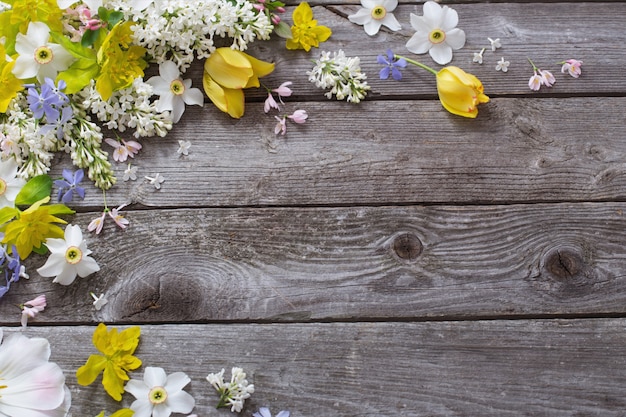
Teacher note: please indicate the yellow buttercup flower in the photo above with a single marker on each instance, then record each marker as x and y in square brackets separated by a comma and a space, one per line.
[116, 360]
[33, 226]
[9, 84]
[226, 73]
[120, 62]
[305, 32]
[459, 92]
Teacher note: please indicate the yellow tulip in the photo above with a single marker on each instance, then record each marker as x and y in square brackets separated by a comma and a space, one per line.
[226, 73]
[460, 92]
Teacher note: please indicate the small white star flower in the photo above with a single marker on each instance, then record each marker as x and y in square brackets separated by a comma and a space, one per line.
[502, 65]
[98, 302]
[478, 56]
[495, 43]
[183, 147]
[157, 180]
[374, 14]
[130, 173]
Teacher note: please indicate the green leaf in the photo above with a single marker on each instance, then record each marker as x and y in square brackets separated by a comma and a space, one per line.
[283, 30]
[76, 49]
[35, 189]
[89, 37]
[114, 18]
[7, 213]
[41, 250]
[79, 74]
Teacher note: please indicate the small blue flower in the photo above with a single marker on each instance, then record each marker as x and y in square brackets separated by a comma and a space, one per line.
[265, 412]
[70, 182]
[15, 266]
[391, 66]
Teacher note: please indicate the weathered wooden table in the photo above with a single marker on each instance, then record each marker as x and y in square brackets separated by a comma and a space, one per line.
[386, 258]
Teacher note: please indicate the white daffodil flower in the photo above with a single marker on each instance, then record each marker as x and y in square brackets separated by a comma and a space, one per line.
[159, 394]
[68, 257]
[376, 13]
[37, 57]
[173, 91]
[436, 33]
[93, 5]
[10, 183]
[31, 386]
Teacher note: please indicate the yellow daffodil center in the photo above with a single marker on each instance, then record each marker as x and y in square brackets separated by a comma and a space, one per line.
[177, 87]
[3, 186]
[43, 55]
[157, 395]
[378, 12]
[73, 255]
[437, 36]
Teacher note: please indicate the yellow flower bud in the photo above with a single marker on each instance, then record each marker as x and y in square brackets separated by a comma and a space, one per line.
[460, 92]
[226, 73]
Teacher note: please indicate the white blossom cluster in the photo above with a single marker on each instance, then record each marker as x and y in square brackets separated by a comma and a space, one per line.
[21, 139]
[182, 30]
[341, 74]
[127, 108]
[232, 393]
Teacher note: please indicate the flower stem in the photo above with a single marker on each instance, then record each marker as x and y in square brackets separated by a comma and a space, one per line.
[533, 64]
[419, 64]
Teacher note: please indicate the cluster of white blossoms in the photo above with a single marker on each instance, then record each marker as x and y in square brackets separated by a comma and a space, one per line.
[128, 108]
[181, 31]
[341, 74]
[232, 393]
[22, 139]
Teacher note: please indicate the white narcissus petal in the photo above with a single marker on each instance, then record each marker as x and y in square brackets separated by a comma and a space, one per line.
[25, 67]
[162, 410]
[178, 109]
[154, 376]
[455, 38]
[391, 22]
[169, 71]
[53, 266]
[73, 235]
[361, 17]
[37, 350]
[64, 4]
[66, 276]
[93, 5]
[165, 102]
[181, 402]
[159, 85]
[390, 5]
[86, 266]
[369, 4]
[137, 388]
[142, 408]
[38, 33]
[433, 14]
[193, 96]
[450, 19]
[62, 59]
[419, 43]
[372, 27]
[441, 53]
[176, 381]
[8, 169]
[420, 24]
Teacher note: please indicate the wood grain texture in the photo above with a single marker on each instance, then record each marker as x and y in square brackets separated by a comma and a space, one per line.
[481, 368]
[387, 263]
[385, 152]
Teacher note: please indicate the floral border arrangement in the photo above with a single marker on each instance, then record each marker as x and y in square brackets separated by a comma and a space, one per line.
[71, 68]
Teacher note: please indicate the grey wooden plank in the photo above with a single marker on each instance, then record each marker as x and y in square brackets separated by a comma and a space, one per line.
[385, 152]
[360, 263]
[589, 31]
[482, 368]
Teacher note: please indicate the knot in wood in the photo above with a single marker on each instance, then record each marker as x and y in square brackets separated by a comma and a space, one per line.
[407, 246]
[564, 263]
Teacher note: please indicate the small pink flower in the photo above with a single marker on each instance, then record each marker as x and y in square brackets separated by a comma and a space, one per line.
[298, 116]
[572, 66]
[283, 90]
[118, 218]
[123, 149]
[270, 103]
[281, 126]
[547, 78]
[32, 307]
[275, 19]
[535, 82]
[97, 223]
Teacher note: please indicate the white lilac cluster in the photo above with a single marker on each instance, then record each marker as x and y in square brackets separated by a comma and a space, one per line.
[232, 393]
[342, 75]
[128, 108]
[180, 30]
[22, 139]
